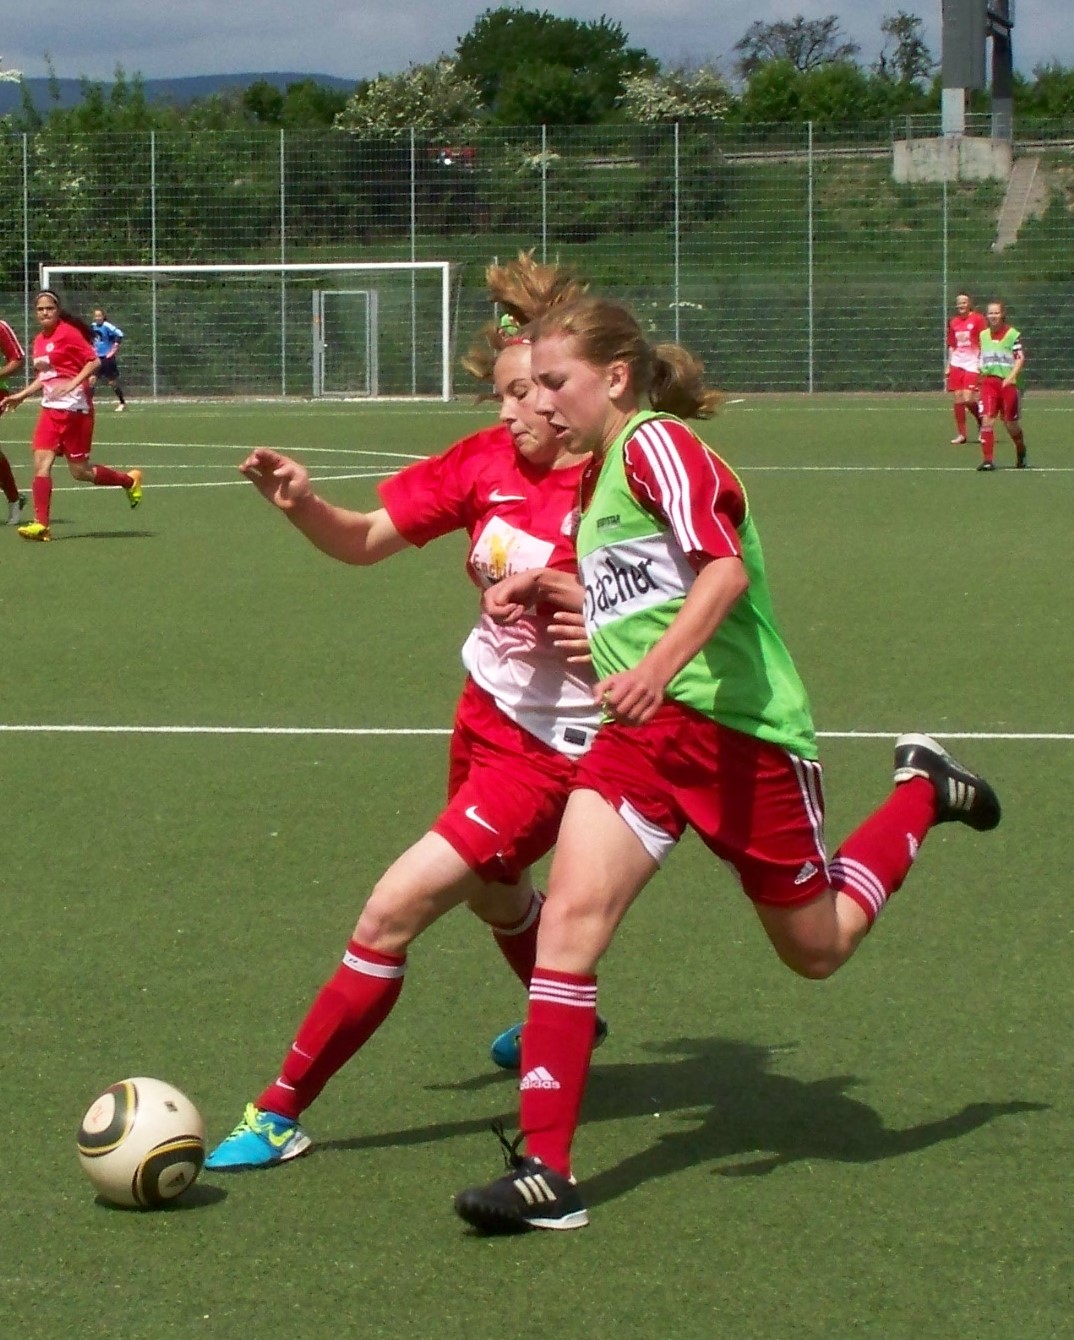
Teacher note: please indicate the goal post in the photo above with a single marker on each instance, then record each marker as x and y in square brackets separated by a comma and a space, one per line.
[261, 331]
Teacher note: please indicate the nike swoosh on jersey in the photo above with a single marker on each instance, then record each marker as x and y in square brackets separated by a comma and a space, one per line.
[472, 813]
[497, 497]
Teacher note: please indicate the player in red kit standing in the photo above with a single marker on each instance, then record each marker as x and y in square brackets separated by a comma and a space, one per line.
[64, 362]
[964, 362]
[11, 358]
[1002, 361]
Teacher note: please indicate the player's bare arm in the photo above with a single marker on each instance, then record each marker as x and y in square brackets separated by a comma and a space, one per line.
[509, 599]
[15, 399]
[1016, 371]
[635, 695]
[360, 538]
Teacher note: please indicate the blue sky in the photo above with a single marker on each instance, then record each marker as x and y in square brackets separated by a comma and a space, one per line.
[362, 38]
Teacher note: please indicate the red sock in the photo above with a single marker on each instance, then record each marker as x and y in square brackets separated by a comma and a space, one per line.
[960, 417]
[873, 862]
[557, 1042]
[988, 443]
[518, 942]
[105, 477]
[348, 1010]
[7, 480]
[41, 489]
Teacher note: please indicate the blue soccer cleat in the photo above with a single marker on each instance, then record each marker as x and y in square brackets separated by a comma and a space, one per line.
[260, 1140]
[506, 1050]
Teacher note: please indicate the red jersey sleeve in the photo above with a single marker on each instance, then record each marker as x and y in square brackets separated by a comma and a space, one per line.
[676, 477]
[951, 341]
[9, 344]
[434, 497]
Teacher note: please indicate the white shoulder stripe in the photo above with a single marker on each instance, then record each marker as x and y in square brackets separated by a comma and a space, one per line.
[659, 451]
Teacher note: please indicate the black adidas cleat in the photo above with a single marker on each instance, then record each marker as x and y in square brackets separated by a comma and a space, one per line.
[1021, 463]
[529, 1195]
[986, 465]
[961, 796]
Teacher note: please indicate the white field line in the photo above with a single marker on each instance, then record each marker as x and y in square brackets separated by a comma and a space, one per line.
[241, 447]
[231, 483]
[392, 732]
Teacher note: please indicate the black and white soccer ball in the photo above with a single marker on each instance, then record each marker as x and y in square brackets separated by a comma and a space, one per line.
[141, 1143]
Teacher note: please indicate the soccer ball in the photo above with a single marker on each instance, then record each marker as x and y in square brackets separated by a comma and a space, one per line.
[141, 1143]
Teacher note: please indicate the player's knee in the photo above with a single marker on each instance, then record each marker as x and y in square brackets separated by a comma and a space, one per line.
[385, 923]
[815, 965]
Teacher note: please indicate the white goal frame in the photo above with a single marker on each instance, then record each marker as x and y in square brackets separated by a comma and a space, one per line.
[354, 269]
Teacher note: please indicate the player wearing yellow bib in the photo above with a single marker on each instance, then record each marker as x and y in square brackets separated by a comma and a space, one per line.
[706, 726]
[1002, 361]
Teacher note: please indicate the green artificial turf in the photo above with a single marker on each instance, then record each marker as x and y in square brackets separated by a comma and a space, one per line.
[884, 1155]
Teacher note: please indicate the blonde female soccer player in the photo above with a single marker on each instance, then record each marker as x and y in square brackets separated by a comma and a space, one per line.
[706, 725]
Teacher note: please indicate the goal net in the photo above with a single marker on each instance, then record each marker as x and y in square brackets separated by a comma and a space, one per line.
[373, 329]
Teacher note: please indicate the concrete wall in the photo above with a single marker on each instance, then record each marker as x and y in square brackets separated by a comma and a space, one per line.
[952, 158]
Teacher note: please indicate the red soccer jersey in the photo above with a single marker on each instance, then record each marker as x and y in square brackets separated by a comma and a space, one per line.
[9, 344]
[518, 517]
[685, 485]
[964, 341]
[59, 356]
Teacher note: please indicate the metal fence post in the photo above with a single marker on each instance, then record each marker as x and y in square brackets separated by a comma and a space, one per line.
[677, 262]
[153, 250]
[944, 260]
[413, 257]
[283, 261]
[544, 195]
[809, 246]
[26, 241]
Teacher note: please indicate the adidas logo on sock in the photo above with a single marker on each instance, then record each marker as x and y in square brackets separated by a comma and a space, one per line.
[539, 1078]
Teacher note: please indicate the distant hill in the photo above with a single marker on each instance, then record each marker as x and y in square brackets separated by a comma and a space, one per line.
[178, 91]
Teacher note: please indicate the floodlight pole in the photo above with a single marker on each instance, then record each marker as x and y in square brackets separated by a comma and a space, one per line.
[1000, 23]
[963, 60]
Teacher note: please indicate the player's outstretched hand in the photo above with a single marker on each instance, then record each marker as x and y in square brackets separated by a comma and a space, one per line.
[279, 479]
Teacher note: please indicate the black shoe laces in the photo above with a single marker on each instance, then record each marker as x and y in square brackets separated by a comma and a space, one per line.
[509, 1148]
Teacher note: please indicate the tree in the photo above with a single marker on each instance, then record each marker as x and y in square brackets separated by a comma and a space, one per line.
[905, 56]
[805, 43]
[552, 95]
[504, 41]
[308, 105]
[433, 98]
[264, 102]
[674, 95]
[1049, 95]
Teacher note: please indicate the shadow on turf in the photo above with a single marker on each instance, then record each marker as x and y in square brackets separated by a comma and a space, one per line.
[105, 535]
[722, 1102]
[196, 1197]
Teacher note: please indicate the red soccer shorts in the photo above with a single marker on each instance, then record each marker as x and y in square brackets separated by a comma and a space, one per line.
[64, 431]
[506, 789]
[961, 379]
[756, 806]
[999, 401]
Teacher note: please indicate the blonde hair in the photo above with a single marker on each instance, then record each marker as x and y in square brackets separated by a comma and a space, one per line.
[668, 376]
[526, 290]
